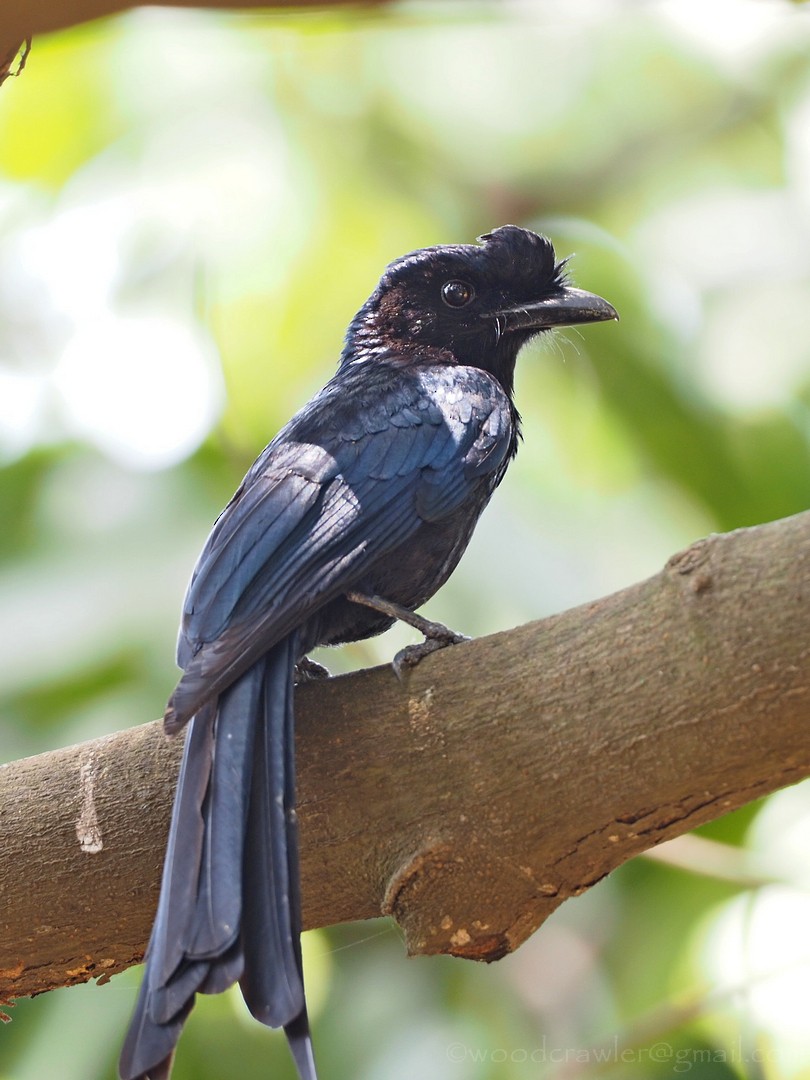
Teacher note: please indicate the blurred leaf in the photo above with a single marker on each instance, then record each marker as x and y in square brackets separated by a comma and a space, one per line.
[63, 112]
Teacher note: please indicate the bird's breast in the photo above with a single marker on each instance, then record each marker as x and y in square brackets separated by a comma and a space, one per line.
[408, 575]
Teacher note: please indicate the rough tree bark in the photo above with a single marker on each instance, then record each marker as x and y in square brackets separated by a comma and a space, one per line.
[508, 774]
[23, 18]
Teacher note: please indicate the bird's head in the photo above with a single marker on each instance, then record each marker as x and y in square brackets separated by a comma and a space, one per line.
[474, 304]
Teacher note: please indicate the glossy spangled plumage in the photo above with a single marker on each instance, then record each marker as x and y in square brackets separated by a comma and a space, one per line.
[375, 488]
[384, 456]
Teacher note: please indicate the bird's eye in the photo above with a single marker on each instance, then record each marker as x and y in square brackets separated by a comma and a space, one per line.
[457, 293]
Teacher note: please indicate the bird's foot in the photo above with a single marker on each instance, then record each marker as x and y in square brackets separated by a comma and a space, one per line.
[437, 635]
[307, 670]
[407, 659]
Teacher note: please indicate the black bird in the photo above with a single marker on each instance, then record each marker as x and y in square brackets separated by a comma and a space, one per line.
[354, 515]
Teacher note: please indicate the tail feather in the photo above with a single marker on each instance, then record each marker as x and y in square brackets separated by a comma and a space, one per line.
[181, 865]
[215, 922]
[148, 1049]
[227, 970]
[273, 980]
[300, 1043]
[229, 907]
[273, 991]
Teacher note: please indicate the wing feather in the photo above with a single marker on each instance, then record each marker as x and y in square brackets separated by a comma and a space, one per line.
[350, 478]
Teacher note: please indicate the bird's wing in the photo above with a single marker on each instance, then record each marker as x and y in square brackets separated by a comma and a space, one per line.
[351, 477]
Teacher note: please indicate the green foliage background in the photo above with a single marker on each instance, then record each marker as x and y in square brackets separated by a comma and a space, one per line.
[192, 206]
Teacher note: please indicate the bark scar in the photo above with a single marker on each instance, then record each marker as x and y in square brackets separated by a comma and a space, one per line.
[688, 560]
[88, 830]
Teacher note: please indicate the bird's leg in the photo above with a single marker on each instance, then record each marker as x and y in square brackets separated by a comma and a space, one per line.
[437, 636]
[307, 670]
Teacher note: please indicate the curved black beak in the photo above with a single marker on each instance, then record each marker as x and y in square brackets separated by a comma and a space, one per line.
[568, 307]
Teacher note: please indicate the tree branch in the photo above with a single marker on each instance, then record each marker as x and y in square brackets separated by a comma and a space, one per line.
[20, 20]
[510, 773]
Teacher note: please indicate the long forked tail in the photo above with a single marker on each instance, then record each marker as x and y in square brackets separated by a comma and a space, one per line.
[229, 905]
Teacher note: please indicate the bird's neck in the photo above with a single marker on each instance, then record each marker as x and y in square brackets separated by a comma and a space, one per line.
[366, 341]
[365, 344]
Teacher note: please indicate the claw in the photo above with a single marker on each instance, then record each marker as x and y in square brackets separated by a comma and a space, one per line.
[406, 659]
[307, 670]
[437, 635]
